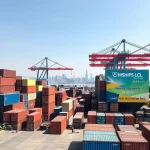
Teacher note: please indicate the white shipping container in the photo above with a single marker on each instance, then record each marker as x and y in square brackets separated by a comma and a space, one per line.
[31, 96]
[67, 105]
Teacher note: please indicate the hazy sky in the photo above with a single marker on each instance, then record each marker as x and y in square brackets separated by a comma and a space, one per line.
[67, 31]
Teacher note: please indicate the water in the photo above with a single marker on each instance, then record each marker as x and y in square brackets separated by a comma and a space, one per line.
[77, 84]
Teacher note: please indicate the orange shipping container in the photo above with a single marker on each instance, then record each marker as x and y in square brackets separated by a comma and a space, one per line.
[58, 125]
[48, 91]
[31, 104]
[33, 117]
[7, 73]
[7, 89]
[15, 106]
[49, 108]
[17, 115]
[7, 116]
[35, 110]
[48, 99]
[7, 81]
[28, 89]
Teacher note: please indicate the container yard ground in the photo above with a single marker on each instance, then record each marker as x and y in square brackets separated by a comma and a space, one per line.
[37, 140]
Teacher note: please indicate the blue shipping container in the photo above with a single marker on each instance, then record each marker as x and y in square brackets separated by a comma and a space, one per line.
[100, 118]
[39, 94]
[119, 119]
[25, 104]
[97, 140]
[26, 97]
[38, 102]
[9, 99]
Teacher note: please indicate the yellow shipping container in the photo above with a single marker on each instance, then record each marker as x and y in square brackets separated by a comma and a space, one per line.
[39, 88]
[28, 82]
[31, 96]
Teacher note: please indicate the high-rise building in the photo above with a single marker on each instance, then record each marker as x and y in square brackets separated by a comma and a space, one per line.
[86, 75]
[91, 77]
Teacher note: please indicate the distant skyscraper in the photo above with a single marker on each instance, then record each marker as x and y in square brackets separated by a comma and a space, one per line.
[86, 75]
[91, 77]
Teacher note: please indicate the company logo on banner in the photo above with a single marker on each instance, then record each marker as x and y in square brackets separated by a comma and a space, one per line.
[116, 74]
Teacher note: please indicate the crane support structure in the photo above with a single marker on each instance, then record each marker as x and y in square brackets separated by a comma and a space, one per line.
[114, 58]
[42, 68]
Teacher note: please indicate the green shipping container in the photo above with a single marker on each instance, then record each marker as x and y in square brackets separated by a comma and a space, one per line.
[100, 118]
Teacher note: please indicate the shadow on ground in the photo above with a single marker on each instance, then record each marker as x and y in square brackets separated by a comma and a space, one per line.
[76, 145]
[47, 131]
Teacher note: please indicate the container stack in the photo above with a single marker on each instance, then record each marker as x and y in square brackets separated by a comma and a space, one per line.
[146, 132]
[78, 120]
[68, 106]
[110, 118]
[60, 96]
[102, 90]
[70, 92]
[87, 97]
[58, 125]
[100, 118]
[94, 104]
[29, 90]
[34, 121]
[128, 129]
[147, 114]
[57, 110]
[15, 117]
[91, 118]
[48, 102]
[102, 107]
[38, 102]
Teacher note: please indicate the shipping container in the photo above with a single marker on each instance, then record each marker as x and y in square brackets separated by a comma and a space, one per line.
[15, 106]
[28, 89]
[67, 105]
[129, 119]
[17, 115]
[139, 119]
[57, 110]
[21, 124]
[146, 132]
[100, 118]
[48, 91]
[128, 129]
[39, 88]
[102, 106]
[99, 127]
[110, 118]
[18, 88]
[35, 110]
[48, 99]
[28, 82]
[58, 125]
[119, 119]
[78, 120]
[5, 73]
[80, 108]
[46, 116]
[31, 104]
[22, 98]
[7, 116]
[33, 117]
[25, 104]
[64, 114]
[18, 77]
[9, 99]
[91, 118]
[133, 141]
[97, 140]
[49, 107]
[18, 83]
[7, 89]
[7, 81]
[114, 107]
[41, 82]
[31, 126]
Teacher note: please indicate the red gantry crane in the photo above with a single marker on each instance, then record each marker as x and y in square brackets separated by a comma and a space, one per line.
[112, 58]
[42, 68]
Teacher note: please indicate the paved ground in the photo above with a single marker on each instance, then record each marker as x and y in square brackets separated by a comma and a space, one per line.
[38, 140]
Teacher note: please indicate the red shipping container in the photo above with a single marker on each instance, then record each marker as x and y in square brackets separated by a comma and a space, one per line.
[2, 109]
[7, 81]
[133, 141]
[110, 117]
[21, 124]
[33, 117]
[49, 108]
[7, 73]
[58, 125]
[17, 115]
[28, 89]
[129, 119]
[48, 99]
[22, 98]
[31, 104]
[15, 106]
[35, 110]
[7, 116]
[48, 91]
[7, 89]
[143, 123]
[31, 126]
[42, 82]
[146, 132]
[46, 116]
[128, 128]
[91, 118]
[114, 107]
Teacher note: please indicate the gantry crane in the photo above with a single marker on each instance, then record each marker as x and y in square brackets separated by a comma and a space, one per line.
[44, 67]
[112, 58]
